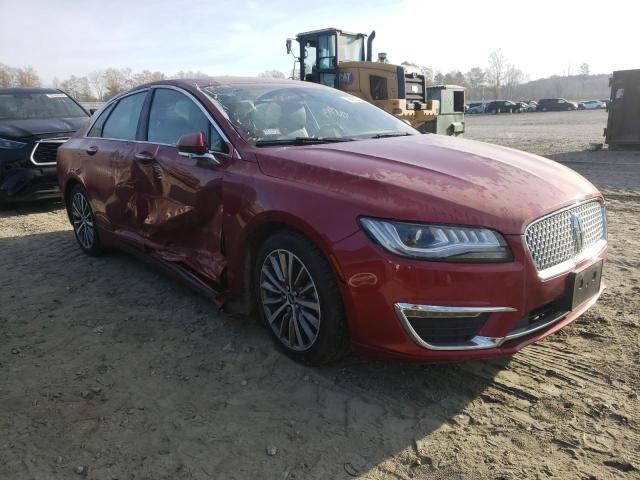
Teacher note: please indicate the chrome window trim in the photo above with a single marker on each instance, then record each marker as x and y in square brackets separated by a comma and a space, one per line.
[589, 253]
[170, 87]
[59, 140]
[98, 114]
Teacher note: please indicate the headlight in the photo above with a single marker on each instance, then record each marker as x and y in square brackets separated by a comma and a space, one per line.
[11, 144]
[449, 243]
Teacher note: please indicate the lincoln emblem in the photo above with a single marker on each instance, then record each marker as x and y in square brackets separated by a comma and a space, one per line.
[578, 234]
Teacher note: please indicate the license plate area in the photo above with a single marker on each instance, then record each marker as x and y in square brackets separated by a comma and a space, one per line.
[584, 284]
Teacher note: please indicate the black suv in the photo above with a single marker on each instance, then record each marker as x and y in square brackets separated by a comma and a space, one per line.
[555, 105]
[502, 106]
[34, 122]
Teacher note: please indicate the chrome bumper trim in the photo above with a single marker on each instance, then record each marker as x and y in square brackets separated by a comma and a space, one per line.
[432, 311]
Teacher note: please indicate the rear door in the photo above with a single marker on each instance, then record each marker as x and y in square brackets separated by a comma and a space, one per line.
[180, 197]
[109, 151]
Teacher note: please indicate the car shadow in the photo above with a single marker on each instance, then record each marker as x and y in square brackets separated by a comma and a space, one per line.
[27, 208]
[126, 356]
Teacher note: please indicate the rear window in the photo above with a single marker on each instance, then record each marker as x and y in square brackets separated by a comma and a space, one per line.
[21, 106]
[122, 124]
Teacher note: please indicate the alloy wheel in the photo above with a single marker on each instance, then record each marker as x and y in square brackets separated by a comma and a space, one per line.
[290, 301]
[82, 219]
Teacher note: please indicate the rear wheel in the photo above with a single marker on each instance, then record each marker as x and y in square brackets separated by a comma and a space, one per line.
[83, 221]
[298, 299]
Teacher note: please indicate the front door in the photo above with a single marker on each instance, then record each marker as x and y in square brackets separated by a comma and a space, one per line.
[179, 197]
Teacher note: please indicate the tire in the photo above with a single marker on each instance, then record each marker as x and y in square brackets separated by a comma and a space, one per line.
[544, 109]
[83, 221]
[495, 112]
[305, 315]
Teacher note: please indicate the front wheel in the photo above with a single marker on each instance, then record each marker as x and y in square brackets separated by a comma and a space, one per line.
[83, 221]
[299, 300]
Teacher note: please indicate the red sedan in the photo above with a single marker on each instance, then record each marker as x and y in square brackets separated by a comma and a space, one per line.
[341, 225]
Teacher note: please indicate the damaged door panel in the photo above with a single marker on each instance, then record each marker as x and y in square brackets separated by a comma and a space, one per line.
[178, 203]
[175, 205]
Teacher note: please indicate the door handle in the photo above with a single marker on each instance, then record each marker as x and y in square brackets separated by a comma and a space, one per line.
[92, 150]
[144, 157]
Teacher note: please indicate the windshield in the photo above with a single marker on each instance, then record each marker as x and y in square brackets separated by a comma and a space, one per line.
[266, 112]
[20, 106]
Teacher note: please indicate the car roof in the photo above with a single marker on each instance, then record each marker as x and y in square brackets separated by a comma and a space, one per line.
[29, 90]
[202, 82]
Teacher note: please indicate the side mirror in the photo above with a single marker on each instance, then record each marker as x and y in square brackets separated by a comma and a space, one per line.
[92, 111]
[288, 46]
[193, 143]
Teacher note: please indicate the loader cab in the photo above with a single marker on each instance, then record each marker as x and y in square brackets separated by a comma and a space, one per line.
[321, 51]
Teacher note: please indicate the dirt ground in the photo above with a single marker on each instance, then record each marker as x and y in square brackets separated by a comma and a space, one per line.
[109, 370]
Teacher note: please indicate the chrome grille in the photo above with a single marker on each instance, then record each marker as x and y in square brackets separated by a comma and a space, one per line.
[566, 234]
[45, 151]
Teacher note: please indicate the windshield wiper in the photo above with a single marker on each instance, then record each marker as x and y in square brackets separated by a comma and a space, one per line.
[301, 141]
[391, 134]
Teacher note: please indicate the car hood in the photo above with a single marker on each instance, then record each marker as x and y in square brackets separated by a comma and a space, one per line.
[39, 126]
[433, 178]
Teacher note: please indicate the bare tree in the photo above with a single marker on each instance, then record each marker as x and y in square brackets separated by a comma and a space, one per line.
[146, 76]
[476, 77]
[117, 81]
[27, 77]
[271, 74]
[495, 71]
[455, 77]
[190, 74]
[78, 87]
[7, 76]
[584, 69]
[512, 78]
[98, 84]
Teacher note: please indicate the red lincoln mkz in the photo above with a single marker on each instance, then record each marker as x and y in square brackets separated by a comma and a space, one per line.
[343, 226]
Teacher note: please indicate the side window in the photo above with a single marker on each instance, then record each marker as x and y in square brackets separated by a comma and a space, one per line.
[173, 114]
[96, 128]
[122, 124]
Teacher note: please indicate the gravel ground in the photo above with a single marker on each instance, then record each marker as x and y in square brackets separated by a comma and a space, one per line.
[109, 370]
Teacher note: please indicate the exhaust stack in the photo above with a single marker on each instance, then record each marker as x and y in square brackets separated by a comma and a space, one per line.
[372, 35]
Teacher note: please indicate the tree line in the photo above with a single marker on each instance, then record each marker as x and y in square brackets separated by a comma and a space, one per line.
[500, 79]
[97, 86]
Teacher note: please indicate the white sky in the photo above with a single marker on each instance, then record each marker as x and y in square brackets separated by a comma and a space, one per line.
[244, 37]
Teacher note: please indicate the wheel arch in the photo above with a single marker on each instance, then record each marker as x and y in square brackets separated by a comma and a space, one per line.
[262, 227]
[69, 185]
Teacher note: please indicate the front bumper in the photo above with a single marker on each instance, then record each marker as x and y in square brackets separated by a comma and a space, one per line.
[379, 288]
[28, 184]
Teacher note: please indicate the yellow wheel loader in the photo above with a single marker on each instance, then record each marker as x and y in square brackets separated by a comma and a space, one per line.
[339, 59]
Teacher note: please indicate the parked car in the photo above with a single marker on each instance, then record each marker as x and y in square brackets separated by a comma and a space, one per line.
[592, 105]
[34, 122]
[532, 105]
[476, 107]
[555, 105]
[502, 106]
[522, 107]
[472, 107]
[343, 226]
